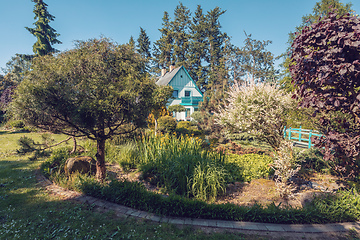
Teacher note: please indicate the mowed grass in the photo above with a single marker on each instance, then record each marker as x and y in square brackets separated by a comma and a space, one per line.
[8, 140]
[28, 211]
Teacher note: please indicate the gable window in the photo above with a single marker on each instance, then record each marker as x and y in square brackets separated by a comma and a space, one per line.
[187, 93]
[175, 93]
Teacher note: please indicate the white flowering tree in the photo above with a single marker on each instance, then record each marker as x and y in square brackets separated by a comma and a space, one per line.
[259, 109]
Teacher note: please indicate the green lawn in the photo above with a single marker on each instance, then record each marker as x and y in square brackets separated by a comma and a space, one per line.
[28, 212]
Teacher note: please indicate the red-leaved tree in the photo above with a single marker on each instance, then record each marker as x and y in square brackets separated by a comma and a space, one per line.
[326, 73]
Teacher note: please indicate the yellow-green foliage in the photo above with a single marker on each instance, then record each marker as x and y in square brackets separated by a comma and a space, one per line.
[186, 127]
[250, 166]
[182, 166]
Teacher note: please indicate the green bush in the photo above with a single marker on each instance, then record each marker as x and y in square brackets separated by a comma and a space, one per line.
[186, 127]
[184, 124]
[344, 206]
[313, 159]
[340, 207]
[247, 167]
[17, 124]
[170, 162]
[167, 124]
[54, 165]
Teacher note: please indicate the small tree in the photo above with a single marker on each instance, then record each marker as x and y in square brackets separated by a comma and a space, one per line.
[160, 96]
[259, 109]
[176, 108]
[167, 124]
[326, 71]
[96, 90]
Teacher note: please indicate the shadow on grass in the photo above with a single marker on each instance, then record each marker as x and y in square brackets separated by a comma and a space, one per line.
[2, 132]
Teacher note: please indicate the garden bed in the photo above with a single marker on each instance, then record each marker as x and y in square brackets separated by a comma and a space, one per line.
[258, 191]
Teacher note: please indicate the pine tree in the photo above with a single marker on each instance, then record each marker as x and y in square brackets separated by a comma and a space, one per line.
[198, 30]
[46, 35]
[132, 43]
[163, 48]
[143, 44]
[217, 80]
[144, 49]
[215, 58]
[181, 28]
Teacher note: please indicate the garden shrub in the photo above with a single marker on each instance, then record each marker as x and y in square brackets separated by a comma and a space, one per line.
[285, 166]
[313, 159]
[167, 124]
[235, 148]
[247, 167]
[56, 162]
[186, 127]
[17, 124]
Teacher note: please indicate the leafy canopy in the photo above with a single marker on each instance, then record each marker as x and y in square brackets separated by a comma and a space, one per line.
[326, 71]
[96, 86]
[97, 90]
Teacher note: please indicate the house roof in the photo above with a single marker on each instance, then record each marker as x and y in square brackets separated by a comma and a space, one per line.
[164, 80]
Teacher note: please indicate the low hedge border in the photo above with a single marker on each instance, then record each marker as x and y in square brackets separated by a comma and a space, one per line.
[135, 195]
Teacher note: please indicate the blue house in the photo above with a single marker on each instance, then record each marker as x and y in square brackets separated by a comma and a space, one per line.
[185, 93]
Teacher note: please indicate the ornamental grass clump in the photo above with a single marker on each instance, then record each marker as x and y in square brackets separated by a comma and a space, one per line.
[182, 166]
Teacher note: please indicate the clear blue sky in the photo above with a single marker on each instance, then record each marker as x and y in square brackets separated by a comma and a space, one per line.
[120, 19]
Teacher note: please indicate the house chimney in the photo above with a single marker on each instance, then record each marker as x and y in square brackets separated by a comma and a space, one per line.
[172, 67]
[163, 71]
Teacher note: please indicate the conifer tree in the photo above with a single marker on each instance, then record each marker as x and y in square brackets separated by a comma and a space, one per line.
[217, 80]
[163, 48]
[216, 54]
[143, 48]
[46, 35]
[132, 43]
[198, 45]
[181, 28]
[143, 44]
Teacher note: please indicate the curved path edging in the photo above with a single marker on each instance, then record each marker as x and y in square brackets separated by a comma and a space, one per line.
[234, 225]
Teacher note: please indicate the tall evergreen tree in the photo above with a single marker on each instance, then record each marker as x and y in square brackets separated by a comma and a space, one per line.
[163, 48]
[46, 35]
[216, 40]
[198, 48]
[143, 44]
[217, 80]
[181, 28]
[132, 43]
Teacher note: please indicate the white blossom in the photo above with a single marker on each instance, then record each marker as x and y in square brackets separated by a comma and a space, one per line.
[259, 109]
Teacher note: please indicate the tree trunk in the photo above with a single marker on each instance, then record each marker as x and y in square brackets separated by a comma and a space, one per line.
[100, 160]
[75, 146]
[156, 125]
